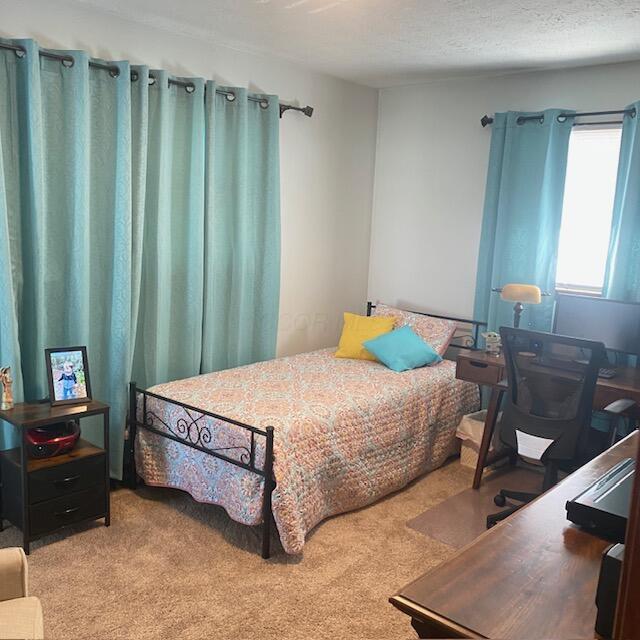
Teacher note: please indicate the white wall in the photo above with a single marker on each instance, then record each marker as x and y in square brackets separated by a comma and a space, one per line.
[326, 162]
[431, 164]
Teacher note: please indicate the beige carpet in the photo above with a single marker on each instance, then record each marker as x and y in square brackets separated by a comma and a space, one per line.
[171, 568]
[461, 518]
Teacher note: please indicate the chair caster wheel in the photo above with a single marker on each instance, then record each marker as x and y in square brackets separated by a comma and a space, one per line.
[500, 500]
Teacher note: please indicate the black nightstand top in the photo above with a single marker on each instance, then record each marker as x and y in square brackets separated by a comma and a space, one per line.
[38, 414]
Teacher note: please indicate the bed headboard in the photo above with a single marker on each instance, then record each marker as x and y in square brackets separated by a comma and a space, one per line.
[466, 336]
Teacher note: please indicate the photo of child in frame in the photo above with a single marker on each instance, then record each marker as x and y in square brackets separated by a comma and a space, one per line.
[68, 375]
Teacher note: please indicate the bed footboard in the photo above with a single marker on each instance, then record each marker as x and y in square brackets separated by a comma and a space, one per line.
[192, 430]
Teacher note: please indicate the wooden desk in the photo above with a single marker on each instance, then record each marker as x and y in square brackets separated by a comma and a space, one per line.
[485, 369]
[533, 575]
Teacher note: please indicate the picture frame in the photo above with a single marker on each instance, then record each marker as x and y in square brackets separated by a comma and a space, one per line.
[68, 375]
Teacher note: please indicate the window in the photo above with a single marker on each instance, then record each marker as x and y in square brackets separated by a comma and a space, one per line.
[587, 209]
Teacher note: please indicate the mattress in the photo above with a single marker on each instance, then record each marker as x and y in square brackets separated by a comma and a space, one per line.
[347, 432]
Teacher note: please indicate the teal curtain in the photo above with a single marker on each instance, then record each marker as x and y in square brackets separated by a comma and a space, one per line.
[66, 209]
[136, 218]
[241, 299]
[169, 333]
[522, 214]
[622, 276]
[210, 268]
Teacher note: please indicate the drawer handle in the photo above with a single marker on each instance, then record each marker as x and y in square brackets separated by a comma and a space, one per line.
[68, 480]
[66, 512]
[479, 365]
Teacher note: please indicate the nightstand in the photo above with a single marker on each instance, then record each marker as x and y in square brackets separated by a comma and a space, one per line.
[43, 495]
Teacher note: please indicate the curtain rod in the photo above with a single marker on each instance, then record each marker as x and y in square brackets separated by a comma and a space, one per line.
[114, 71]
[485, 120]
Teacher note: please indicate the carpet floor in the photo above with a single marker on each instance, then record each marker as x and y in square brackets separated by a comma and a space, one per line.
[461, 518]
[169, 567]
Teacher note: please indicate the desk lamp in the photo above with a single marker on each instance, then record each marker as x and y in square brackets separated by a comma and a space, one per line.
[520, 293]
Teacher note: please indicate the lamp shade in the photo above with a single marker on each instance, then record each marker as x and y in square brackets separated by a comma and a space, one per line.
[521, 293]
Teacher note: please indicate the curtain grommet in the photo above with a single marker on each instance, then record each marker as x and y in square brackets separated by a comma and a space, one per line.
[152, 80]
[561, 118]
[633, 112]
[114, 72]
[67, 62]
[264, 104]
[134, 76]
[519, 120]
[20, 53]
[230, 96]
[190, 88]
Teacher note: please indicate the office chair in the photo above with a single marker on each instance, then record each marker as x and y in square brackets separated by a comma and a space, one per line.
[548, 404]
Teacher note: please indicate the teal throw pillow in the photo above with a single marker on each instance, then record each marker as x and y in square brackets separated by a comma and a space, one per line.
[402, 349]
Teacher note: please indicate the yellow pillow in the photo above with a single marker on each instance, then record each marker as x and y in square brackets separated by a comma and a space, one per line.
[358, 329]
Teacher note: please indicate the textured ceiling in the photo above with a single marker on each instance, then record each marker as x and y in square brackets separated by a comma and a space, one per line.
[390, 42]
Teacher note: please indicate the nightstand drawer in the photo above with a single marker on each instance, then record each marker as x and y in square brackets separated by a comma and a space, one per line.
[479, 371]
[52, 514]
[64, 479]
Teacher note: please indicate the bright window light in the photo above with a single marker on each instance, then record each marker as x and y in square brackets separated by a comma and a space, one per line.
[587, 209]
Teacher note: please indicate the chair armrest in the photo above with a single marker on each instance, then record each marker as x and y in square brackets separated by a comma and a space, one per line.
[618, 407]
[14, 574]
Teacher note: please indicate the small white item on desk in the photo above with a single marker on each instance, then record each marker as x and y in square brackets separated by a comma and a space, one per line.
[492, 342]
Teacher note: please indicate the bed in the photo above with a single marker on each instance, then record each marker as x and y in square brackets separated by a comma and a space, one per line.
[297, 439]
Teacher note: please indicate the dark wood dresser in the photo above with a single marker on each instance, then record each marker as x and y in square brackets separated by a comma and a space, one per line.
[43, 495]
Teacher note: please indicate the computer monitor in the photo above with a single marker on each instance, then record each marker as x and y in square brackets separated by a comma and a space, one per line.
[615, 323]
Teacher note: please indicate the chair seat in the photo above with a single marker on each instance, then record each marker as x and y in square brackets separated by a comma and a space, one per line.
[21, 618]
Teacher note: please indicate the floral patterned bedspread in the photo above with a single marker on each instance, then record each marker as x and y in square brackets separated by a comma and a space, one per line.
[347, 432]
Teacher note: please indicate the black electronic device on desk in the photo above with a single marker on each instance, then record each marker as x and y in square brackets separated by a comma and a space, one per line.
[603, 508]
[613, 322]
[608, 587]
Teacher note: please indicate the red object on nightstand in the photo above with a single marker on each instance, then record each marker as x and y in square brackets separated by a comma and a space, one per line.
[52, 440]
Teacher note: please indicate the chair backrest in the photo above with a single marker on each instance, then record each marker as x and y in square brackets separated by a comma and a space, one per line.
[549, 403]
